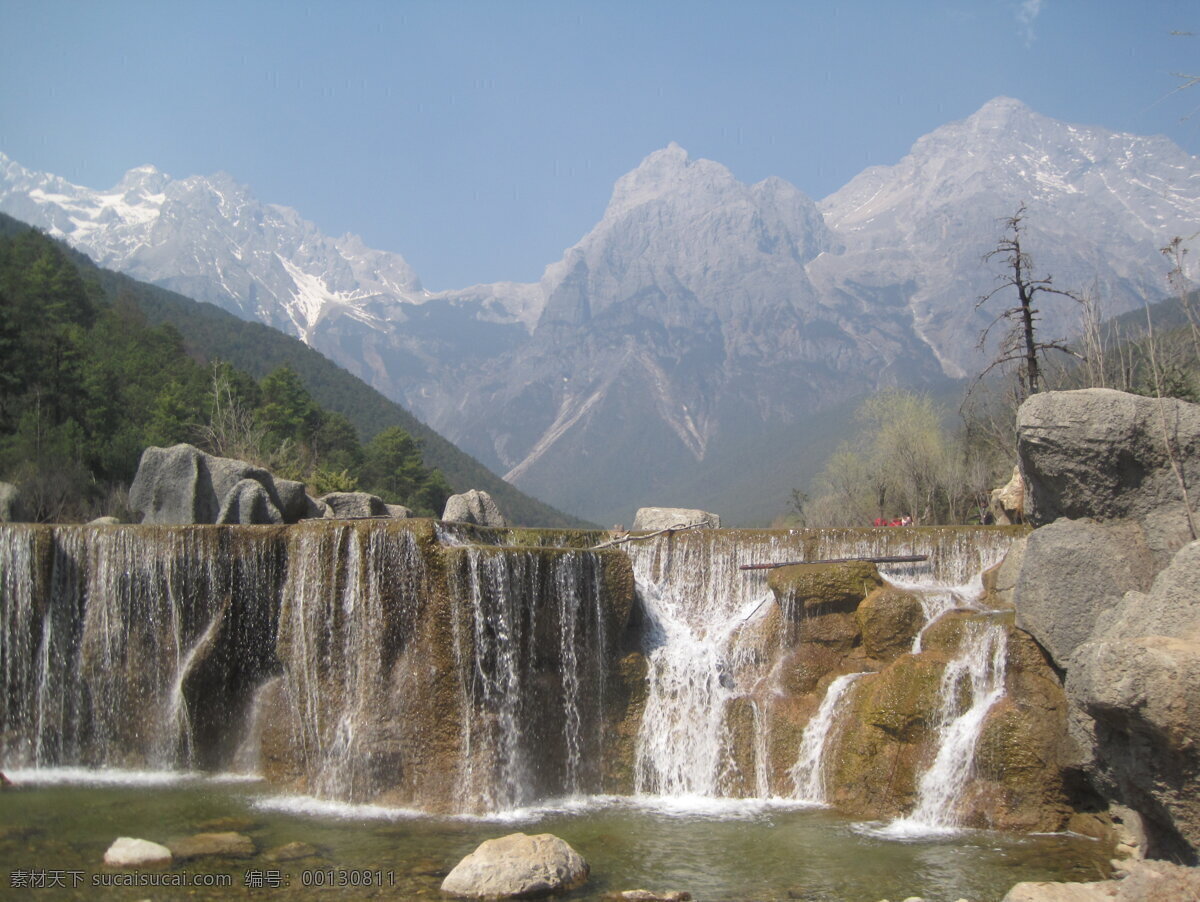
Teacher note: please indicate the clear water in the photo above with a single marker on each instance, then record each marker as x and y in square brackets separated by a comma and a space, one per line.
[718, 850]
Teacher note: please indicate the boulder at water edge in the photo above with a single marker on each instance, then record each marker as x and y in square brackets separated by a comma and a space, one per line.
[517, 866]
[656, 518]
[127, 852]
[474, 507]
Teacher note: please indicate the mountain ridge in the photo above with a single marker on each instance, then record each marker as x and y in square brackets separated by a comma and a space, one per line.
[698, 309]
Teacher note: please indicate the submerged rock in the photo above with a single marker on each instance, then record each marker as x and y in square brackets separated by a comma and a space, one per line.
[517, 866]
[213, 845]
[127, 852]
[655, 518]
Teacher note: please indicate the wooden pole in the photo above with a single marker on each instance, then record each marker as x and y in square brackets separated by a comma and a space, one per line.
[898, 559]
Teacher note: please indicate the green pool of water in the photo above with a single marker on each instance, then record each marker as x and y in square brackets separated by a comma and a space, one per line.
[53, 837]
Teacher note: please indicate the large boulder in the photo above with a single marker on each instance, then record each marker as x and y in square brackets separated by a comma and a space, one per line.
[182, 484]
[517, 866]
[475, 507]
[656, 518]
[353, 505]
[1137, 685]
[1070, 573]
[1104, 454]
[248, 502]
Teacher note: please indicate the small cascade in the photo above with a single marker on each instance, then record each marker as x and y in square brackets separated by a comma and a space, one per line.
[972, 683]
[808, 773]
[696, 600]
[532, 658]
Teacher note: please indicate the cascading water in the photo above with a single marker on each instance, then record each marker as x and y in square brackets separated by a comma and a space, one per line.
[696, 599]
[808, 773]
[977, 673]
[700, 606]
[373, 661]
[532, 658]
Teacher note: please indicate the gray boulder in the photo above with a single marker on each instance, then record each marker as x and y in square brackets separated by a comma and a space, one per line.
[352, 505]
[182, 484]
[104, 521]
[248, 502]
[293, 500]
[398, 511]
[1070, 574]
[517, 866]
[475, 507]
[655, 518]
[11, 508]
[1138, 684]
[1101, 453]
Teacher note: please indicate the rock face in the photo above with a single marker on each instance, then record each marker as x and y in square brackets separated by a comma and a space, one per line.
[517, 866]
[127, 852]
[182, 484]
[475, 507]
[1138, 681]
[1007, 503]
[1101, 453]
[653, 518]
[1071, 573]
[1111, 595]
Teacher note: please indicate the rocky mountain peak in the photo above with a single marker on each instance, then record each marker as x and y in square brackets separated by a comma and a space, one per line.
[146, 178]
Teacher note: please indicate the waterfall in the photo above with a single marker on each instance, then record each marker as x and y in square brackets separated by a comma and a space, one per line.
[696, 599]
[808, 773]
[438, 667]
[108, 634]
[532, 663]
[699, 605]
[971, 684]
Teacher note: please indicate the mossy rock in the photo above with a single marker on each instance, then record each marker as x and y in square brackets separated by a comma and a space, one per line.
[903, 699]
[889, 620]
[804, 589]
[834, 630]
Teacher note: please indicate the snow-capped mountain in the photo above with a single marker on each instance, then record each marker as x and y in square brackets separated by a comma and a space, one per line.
[1099, 204]
[211, 239]
[699, 316]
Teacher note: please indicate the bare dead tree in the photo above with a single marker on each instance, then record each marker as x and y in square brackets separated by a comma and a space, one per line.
[1021, 343]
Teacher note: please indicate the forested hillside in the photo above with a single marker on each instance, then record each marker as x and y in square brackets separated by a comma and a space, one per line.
[98, 365]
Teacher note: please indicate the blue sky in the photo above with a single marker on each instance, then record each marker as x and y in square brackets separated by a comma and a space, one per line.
[480, 139]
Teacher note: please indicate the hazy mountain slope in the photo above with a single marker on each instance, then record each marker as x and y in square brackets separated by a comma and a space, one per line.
[1100, 205]
[210, 333]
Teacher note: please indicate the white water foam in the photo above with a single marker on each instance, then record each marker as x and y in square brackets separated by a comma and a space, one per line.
[808, 773]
